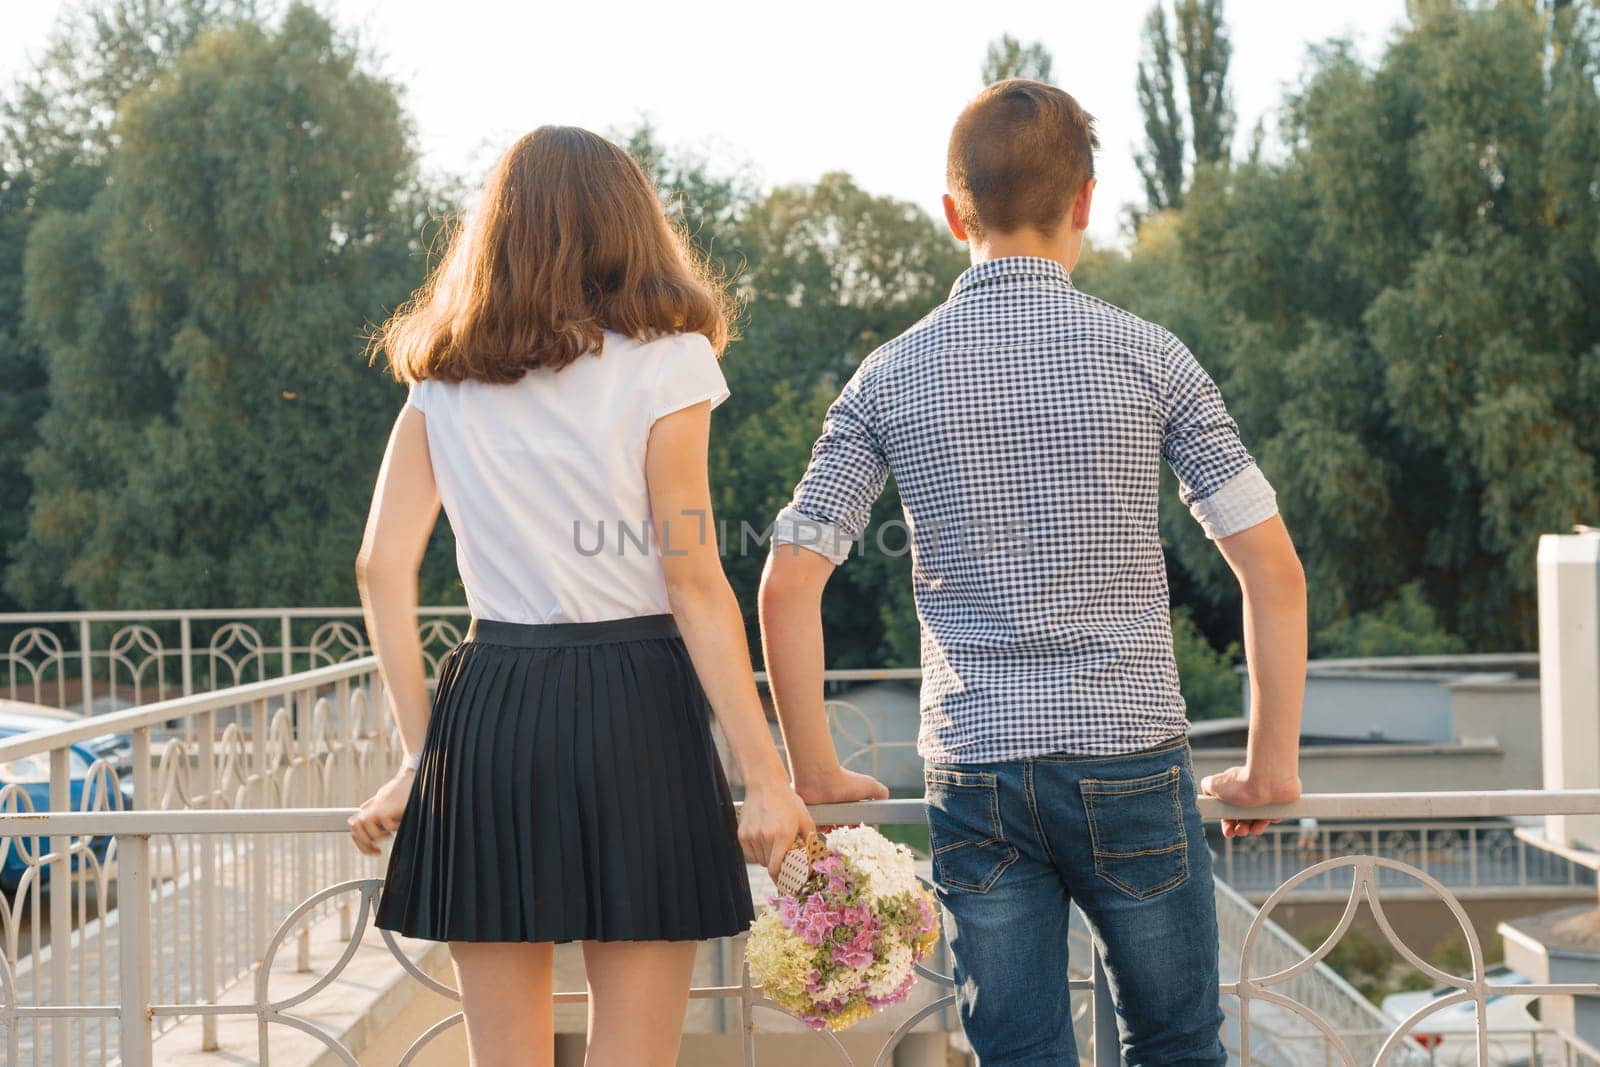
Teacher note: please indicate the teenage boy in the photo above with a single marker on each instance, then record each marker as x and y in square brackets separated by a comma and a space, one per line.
[1024, 423]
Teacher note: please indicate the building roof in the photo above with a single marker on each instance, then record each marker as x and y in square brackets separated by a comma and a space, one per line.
[1572, 930]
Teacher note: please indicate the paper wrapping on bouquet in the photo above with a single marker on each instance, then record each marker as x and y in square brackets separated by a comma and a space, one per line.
[797, 862]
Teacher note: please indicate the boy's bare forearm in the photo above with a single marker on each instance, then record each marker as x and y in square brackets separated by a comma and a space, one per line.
[1275, 650]
[791, 633]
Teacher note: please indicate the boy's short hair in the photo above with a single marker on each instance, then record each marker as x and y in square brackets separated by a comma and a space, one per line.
[1019, 153]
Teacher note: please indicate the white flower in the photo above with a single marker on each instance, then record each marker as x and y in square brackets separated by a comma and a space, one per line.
[886, 975]
[888, 868]
[842, 985]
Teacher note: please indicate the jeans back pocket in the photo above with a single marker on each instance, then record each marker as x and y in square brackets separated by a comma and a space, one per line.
[1136, 832]
[970, 851]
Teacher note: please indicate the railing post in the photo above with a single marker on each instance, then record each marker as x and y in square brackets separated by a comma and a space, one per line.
[286, 643]
[747, 1022]
[261, 913]
[1107, 1046]
[141, 768]
[206, 775]
[86, 661]
[304, 884]
[60, 907]
[133, 925]
[186, 643]
[344, 791]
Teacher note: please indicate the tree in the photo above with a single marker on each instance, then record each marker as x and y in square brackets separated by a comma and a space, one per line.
[1395, 313]
[1210, 679]
[1204, 49]
[1160, 162]
[55, 138]
[203, 319]
[825, 273]
[1199, 51]
[1010, 58]
[830, 273]
[1405, 626]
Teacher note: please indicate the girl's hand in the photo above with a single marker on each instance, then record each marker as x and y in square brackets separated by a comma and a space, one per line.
[380, 813]
[771, 817]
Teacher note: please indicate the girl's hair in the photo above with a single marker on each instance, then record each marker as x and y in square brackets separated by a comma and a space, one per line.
[569, 238]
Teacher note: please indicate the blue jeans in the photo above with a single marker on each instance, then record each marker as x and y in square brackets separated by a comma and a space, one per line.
[1015, 843]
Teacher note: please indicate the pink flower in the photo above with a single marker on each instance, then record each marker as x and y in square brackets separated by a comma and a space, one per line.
[851, 956]
[899, 994]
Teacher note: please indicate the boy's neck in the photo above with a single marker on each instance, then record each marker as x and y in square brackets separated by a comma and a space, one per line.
[1063, 247]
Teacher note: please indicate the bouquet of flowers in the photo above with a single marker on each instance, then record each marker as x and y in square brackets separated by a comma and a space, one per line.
[845, 929]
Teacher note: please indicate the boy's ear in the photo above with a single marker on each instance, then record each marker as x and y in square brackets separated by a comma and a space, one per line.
[1080, 206]
[953, 219]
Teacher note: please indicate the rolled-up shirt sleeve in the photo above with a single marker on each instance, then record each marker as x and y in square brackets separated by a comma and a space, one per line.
[1218, 479]
[832, 504]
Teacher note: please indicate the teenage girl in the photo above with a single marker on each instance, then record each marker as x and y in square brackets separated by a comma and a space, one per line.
[563, 785]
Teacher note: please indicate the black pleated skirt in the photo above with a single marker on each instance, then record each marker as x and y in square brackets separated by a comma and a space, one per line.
[569, 790]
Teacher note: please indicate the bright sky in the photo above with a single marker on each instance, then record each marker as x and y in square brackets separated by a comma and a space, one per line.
[787, 91]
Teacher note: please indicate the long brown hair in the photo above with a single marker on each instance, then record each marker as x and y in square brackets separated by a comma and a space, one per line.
[569, 238]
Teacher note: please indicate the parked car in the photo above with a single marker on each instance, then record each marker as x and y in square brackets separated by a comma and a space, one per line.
[32, 775]
[1450, 1034]
[117, 748]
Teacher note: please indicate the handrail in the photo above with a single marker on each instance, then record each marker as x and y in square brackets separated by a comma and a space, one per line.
[174, 614]
[92, 726]
[897, 811]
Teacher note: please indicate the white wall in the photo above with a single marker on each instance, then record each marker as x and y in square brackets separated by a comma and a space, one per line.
[1569, 672]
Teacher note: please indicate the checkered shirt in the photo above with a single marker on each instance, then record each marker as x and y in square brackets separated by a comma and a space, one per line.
[1024, 423]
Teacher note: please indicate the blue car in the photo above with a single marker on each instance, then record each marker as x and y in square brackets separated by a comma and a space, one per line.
[32, 774]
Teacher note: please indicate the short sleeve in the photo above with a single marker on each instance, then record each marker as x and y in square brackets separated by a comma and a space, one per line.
[416, 396]
[689, 372]
[1218, 479]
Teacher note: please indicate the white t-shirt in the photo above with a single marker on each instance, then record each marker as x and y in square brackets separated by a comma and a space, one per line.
[543, 479]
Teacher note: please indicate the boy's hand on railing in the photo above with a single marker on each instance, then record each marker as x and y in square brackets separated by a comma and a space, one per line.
[380, 813]
[1236, 787]
[841, 786]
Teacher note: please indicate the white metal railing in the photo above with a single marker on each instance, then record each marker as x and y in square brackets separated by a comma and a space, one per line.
[1275, 977]
[1474, 857]
[68, 659]
[228, 888]
[127, 658]
[321, 738]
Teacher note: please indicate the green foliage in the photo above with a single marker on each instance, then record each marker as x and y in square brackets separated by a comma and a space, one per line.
[1160, 161]
[1210, 680]
[1010, 58]
[1405, 626]
[825, 273]
[210, 402]
[201, 213]
[1194, 52]
[1393, 313]
[55, 137]
[1204, 49]
[1364, 958]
